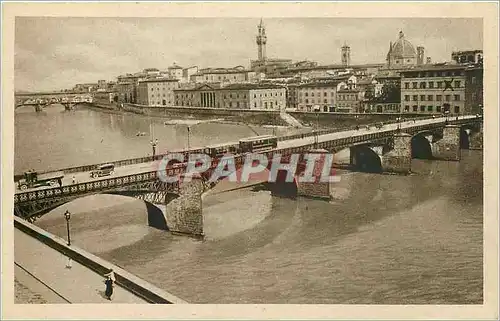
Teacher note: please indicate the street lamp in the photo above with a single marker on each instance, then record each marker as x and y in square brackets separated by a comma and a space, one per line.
[154, 144]
[67, 215]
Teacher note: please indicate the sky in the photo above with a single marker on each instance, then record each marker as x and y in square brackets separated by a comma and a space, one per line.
[54, 53]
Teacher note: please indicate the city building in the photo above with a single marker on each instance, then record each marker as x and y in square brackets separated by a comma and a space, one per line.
[101, 85]
[85, 88]
[233, 96]
[263, 64]
[402, 53]
[188, 72]
[468, 56]
[318, 95]
[346, 55]
[126, 92]
[225, 75]
[474, 90]
[349, 100]
[157, 92]
[442, 88]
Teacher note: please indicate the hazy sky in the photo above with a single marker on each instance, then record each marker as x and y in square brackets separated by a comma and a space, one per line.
[54, 53]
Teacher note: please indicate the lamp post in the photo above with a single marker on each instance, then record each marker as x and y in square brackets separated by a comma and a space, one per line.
[154, 144]
[67, 215]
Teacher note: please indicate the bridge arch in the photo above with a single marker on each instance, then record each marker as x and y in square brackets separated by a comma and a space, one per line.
[421, 147]
[365, 159]
[156, 216]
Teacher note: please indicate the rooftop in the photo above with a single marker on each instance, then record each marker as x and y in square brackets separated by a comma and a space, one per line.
[159, 80]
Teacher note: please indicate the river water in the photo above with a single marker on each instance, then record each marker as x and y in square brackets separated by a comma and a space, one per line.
[383, 239]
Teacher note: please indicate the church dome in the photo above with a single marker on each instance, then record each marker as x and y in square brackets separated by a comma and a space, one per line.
[402, 48]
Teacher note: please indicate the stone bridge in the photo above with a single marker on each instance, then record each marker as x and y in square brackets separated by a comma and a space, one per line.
[386, 150]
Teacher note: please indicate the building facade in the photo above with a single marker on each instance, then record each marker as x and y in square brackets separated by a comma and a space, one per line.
[224, 75]
[348, 100]
[468, 56]
[434, 89]
[474, 90]
[318, 96]
[157, 92]
[176, 72]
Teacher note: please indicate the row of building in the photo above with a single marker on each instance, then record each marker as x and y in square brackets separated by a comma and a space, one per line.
[407, 82]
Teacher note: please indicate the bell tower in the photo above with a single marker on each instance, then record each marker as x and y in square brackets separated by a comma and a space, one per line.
[261, 41]
[346, 55]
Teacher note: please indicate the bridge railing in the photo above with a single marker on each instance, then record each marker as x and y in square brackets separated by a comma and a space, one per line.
[147, 159]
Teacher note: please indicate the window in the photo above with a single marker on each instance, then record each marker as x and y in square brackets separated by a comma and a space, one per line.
[414, 85]
[473, 96]
[415, 107]
[265, 105]
[415, 97]
[237, 104]
[271, 104]
[422, 85]
[407, 108]
[407, 85]
[431, 84]
[473, 80]
[307, 101]
[429, 108]
[422, 108]
[457, 110]
[422, 97]
[438, 109]
[254, 96]
[429, 97]
[457, 83]
[306, 94]
[312, 94]
[456, 97]
[448, 97]
[324, 94]
[438, 97]
[255, 105]
[324, 100]
[407, 97]
[439, 84]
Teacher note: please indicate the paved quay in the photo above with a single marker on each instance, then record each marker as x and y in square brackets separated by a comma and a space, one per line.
[43, 270]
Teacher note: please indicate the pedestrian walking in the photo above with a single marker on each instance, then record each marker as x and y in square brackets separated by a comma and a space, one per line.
[110, 280]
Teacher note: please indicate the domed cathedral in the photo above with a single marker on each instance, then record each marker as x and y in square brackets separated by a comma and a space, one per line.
[402, 54]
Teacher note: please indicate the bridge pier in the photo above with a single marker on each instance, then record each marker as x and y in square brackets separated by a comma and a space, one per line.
[448, 147]
[398, 159]
[184, 214]
[316, 189]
